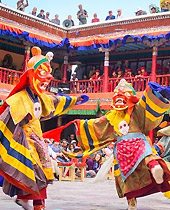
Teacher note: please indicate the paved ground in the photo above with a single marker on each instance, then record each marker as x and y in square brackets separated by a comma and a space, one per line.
[89, 196]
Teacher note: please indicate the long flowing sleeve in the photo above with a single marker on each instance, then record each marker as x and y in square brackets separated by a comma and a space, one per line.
[152, 106]
[93, 135]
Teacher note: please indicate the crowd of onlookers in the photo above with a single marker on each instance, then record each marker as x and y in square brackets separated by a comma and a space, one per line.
[82, 14]
[92, 162]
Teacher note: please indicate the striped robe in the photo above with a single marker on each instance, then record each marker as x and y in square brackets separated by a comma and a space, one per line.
[24, 162]
[97, 133]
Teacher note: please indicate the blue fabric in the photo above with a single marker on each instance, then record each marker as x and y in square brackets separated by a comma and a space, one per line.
[160, 92]
[1, 180]
[85, 99]
[110, 18]
[157, 149]
[66, 42]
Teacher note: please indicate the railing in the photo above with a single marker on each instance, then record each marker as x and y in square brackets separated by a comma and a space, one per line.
[9, 76]
[12, 77]
[55, 86]
[139, 84]
[163, 80]
[86, 86]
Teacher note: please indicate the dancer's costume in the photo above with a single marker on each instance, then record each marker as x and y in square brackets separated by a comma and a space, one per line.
[24, 160]
[128, 126]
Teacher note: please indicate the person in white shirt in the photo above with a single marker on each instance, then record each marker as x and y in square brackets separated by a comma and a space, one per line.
[119, 14]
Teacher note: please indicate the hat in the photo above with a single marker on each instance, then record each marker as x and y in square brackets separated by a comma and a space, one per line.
[73, 141]
[119, 69]
[98, 71]
[142, 68]
[128, 70]
[47, 13]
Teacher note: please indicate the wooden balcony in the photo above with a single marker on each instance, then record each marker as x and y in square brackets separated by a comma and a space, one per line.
[9, 78]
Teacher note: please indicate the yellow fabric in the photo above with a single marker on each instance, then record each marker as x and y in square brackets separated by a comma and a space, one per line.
[48, 173]
[162, 4]
[115, 117]
[62, 101]
[116, 172]
[19, 148]
[92, 133]
[21, 105]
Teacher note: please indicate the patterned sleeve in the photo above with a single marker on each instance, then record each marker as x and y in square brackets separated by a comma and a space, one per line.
[152, 107]
[64, 104]
[93, 135]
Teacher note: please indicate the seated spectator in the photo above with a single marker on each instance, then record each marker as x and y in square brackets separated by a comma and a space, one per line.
[140, 12]
[47, 16]
[70, 19]
[56, 20]
[119, 73]
[110, 16]
[34, 11]
[65, 144]
[73, 77]
[165, 5]
[153, 9]
[92, 71]
[41, 14]
[70, 148]
[126, 65]
[21, 6]
[119, 14]
[93, 165]
[95, 18]
[108, 151]
[82, 15]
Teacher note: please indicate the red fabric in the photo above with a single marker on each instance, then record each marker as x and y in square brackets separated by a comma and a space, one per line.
[42, 195]
[20, 86]
[56, 133]
[128, 153]
[152, 164]
[95, 20]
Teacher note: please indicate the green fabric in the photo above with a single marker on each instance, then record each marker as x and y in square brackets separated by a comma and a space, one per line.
[1, 102]
[87, 111]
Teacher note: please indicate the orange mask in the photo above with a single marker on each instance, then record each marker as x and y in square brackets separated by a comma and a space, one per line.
[39, 71]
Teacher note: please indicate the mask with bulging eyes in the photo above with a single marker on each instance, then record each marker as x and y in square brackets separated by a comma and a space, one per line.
[123, 127]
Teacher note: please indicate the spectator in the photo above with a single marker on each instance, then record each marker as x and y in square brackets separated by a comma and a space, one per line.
[34, 11]
[140, 12]
[129, 73]
[119, 73]
[41, 14]
[92, 71]
[110, 16]
[96, 75]
[21, 6]
[82, 15]
[70, 19]
[70, 148]
[118, 65]
[165, 5]
[47, 16]
[153, 9]
[56, 20]
[143, 71]
[126, 65]
[95, 19]
[119, 14]
[69, 71]
[114, 75]
[93, 165]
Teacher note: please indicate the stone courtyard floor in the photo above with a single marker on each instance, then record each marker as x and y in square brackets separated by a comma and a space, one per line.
[88, 196]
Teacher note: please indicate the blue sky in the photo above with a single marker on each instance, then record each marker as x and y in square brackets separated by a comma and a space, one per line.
[101, 7]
